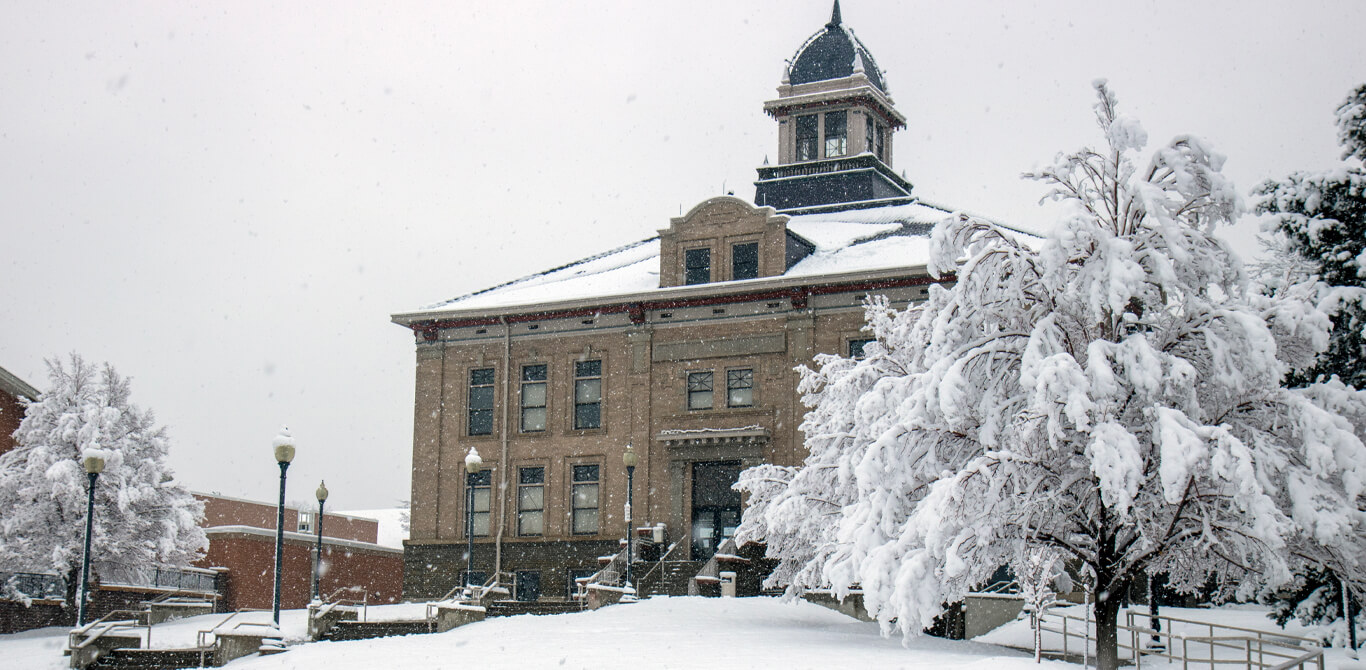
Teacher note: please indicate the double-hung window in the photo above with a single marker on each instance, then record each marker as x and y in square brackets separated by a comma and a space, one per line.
[808, 135]
[587, 395]
[744, 261]
[585, 500]
[700, 390]
[836, 134]
[531, 501]
[879, 142]
[480, 485]
[481, 402]
[740, 388]
[696, 266]
[533, 398]
[856, 347]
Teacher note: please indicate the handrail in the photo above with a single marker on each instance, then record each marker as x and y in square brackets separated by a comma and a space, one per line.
[1272, 651]
[657, 567]
[201, 638]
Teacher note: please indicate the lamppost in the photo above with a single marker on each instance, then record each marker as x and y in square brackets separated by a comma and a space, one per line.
[318, 556]
[629, 459]
[473, 464]
[94, 465]
[1153, 620]
[284, 453]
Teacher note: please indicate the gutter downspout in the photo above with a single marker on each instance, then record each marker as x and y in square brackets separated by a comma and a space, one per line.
[503, 461]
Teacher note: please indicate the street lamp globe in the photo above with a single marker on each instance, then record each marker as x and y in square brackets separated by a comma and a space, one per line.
[94, 464]
[473, 463]
[321, 492]
[629, 459]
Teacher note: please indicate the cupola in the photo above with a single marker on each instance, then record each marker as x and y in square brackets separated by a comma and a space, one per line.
[835, 125]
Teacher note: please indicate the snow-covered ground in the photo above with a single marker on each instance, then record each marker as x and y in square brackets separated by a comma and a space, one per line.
[657, 633]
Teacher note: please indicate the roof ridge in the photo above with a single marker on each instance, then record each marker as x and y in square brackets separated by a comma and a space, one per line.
[1012, 227]
[542, 273]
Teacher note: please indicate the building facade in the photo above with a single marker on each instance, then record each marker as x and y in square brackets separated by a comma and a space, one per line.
[682, 346]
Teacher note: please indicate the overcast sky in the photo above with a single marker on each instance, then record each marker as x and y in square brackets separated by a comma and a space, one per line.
[226, 200]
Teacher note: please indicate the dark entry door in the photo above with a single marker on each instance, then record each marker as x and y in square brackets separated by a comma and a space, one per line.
[528, 585]
[715, 506]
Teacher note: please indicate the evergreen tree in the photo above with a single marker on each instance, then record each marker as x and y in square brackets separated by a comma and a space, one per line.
[1114, 394]
[1320, 218]
[143, 517]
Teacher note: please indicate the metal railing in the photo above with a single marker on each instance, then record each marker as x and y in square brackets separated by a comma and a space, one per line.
[656, 572]
[205, 645]
[332, 602]
[33, 585]
[81, 638]
[1228, 646]
[198, 580]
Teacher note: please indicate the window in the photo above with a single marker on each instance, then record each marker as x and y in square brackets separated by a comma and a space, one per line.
[740, 388]
[481, 402]
[533, 398]
[699, 390]
[806, 138]
[305, 522]
[588, 395]
[696, 266]
[744, 261]
[585, 500]
[531, 501]
[479, 485]
[878, 139]
[836, 134]
[869, 129]
[856, 347]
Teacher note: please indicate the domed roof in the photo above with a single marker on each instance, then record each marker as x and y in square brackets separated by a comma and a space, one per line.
[833, 53]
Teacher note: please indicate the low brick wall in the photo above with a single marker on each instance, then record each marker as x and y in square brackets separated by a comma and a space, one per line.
[433, 569]
[15, 617]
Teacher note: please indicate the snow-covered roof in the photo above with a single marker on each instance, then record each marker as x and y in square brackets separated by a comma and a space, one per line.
[860, 240]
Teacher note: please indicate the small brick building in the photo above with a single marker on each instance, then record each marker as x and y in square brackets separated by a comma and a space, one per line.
[242, 540]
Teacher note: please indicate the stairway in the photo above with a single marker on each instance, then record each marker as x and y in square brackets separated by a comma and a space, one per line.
[536, 607]
[673, 579]
[365, 630]
[151, 659]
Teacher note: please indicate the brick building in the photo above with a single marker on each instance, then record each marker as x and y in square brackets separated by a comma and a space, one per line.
[683, 345]
[12, 389]
[242, 540]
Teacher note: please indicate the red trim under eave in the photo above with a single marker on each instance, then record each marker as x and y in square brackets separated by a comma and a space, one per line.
[798, 295]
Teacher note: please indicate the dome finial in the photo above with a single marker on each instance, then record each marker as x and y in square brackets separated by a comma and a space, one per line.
[835, 15]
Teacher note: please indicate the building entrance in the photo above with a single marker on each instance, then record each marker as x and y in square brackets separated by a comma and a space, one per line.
[715, 506]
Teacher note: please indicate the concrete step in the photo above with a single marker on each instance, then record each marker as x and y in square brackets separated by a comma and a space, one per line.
[674, 578]
[152, 659]
[536, 607]
[366, 630]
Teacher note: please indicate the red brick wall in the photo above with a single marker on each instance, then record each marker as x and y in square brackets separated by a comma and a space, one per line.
[219, 511]
[250, 559]
[11, 413]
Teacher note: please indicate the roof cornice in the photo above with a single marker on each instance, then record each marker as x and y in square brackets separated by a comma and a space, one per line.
[668, 298]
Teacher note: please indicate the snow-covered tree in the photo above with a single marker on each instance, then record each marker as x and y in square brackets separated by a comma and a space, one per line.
[1113, 393]
[1319, 222]
[1038, 571]
[143, 516]
[1321, 218]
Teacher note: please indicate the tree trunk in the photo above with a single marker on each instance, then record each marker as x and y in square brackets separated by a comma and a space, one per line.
[1107, 629]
